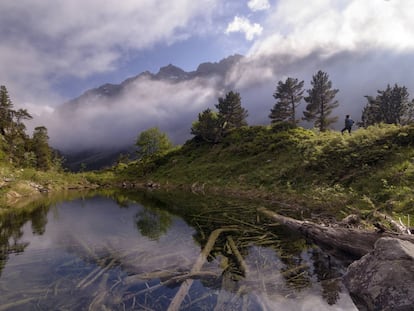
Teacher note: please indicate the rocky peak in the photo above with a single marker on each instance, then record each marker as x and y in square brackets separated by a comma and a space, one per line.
[219, 68]
[168, 73]
[171, 72]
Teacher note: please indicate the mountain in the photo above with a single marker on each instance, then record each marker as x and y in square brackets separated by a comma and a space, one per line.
[108, 99]
[168, 73]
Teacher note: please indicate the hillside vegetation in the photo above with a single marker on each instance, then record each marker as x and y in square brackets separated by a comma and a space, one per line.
[371, 169]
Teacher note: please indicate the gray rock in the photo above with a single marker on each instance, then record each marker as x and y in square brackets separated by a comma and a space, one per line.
[351, 220]
[384, 278]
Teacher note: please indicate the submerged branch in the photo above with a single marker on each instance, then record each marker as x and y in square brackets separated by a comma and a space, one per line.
[239, 257]
[185, 286]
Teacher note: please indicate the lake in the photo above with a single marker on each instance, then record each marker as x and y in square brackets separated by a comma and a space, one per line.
[160, 251]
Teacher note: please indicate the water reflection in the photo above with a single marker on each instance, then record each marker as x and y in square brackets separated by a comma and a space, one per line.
[11, 230]
[142, 250]
[153, 223]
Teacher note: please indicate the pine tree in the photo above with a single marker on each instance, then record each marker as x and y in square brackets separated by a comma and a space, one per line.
[207, 126]
[17, 138]
[391, 106]
[13, 129]
[41, 148]
[288, 96]
[321, 101]
[231, 113]
[370, 113]
[6, 107]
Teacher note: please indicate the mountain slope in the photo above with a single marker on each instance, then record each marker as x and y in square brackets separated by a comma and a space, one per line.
[169, 73]
[106, 120]
[373, 168]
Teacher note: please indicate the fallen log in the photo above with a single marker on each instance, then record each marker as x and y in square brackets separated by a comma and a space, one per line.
[399, 227]
[354, 242]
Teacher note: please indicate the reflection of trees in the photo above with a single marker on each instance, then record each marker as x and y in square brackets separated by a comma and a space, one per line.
[328, 274]
[39, 219]
[153, 223]
[154, 219]
[121, 200]
[296, 270]
[10, 234]
[11, 229]
[297, 265]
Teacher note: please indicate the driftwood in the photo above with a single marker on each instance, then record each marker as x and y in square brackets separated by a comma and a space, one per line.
[354, 242]
[185, 286]
[239, 257]
[399, 227]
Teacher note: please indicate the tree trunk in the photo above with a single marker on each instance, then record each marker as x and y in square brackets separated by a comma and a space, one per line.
[353, 242]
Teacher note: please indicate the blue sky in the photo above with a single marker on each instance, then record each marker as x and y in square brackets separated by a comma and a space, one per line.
[53, 50]
[71, 46]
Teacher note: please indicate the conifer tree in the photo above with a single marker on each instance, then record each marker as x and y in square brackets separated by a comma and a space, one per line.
[13, 129]
[391, 106]
[231, 113]
[321, 101]
[5, 110]
[41, 148]
[288, 95]
[207, 126]
[211, 126]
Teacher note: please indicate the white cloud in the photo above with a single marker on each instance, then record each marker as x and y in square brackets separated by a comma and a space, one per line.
[363, 45]
[258, 5]
[334, 26]
[99, 122]
[45, 41]
[242, 24]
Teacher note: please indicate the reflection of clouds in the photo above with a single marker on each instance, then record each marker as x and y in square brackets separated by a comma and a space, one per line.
[309, 302]
[97, 231]
[106, 230]
[273, 291]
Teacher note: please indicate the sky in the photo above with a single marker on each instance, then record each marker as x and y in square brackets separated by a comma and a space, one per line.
[52, 51]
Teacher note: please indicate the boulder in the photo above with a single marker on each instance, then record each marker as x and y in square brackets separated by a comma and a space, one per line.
[384, 278]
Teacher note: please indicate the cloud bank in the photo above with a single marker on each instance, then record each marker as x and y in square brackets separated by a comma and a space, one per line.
[98, 122]
[362, 45]
[44, 42]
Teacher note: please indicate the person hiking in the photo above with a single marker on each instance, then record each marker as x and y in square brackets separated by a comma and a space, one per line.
[348, 125]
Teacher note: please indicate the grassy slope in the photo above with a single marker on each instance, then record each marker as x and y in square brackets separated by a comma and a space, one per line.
[373, 168]
[18, 185]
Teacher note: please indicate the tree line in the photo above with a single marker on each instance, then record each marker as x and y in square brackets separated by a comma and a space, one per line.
[16, 146]
[391, 106]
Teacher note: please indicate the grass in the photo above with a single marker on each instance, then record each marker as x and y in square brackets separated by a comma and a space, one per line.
[327, 170]
[18, 183]
[371, 169]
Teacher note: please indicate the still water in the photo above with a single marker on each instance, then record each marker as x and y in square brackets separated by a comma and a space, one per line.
[146, 251]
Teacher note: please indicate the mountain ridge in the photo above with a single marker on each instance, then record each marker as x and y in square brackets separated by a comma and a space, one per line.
[106, 95]
[170, 73]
